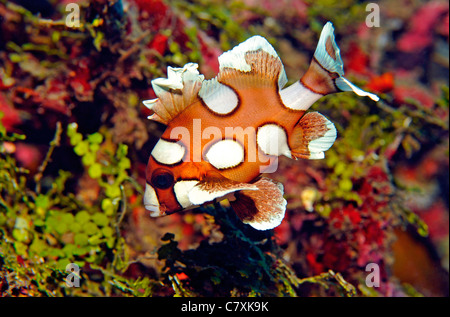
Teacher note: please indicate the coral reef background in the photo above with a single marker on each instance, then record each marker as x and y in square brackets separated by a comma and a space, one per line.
[75, 139]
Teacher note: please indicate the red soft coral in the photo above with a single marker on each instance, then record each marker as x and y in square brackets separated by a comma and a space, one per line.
[422, 24]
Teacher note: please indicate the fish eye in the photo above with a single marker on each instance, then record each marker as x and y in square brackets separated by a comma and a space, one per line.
[162, 179]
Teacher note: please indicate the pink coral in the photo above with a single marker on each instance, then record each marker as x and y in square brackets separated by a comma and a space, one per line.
[422, 24]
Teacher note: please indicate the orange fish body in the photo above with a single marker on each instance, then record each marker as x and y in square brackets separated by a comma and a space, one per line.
[223, 133]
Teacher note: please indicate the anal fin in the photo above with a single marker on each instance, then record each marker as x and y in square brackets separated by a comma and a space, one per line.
[312, 136]
[262, 209]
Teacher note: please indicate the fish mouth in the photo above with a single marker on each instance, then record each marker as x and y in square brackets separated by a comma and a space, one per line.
[155, 210]
[151, 202]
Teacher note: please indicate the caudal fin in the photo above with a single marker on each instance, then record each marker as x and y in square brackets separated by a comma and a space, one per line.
[326, 72]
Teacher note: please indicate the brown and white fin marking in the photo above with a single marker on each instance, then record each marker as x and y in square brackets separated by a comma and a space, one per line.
[312, 136]
[263, 209]
[260, 205]
[253, 64]
[214, 186]
[175, 93]
[325, 74]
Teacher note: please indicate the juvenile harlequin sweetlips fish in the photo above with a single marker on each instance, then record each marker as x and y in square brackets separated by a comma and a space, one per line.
[223, 133]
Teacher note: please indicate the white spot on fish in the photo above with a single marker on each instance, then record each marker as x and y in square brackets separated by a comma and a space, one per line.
[181, 189]
[225, 154]
[219, 98]
[272, 140]
[298, 97]
[151, 202]
[168, 153]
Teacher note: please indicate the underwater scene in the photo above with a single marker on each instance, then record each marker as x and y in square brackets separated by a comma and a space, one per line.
[211, 148]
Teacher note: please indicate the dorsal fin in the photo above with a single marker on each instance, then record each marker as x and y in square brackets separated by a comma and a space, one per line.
[266, 71]
[253, 58]
[252, 64]
[175, 93]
